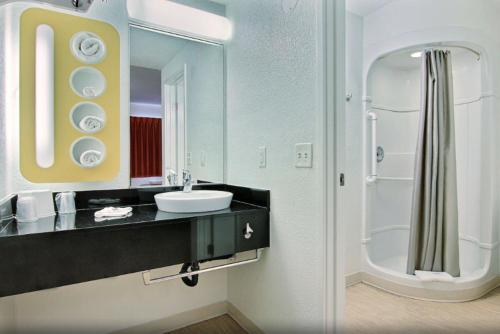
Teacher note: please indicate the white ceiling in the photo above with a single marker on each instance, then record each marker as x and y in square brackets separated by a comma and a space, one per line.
[145, 85]
[153, 50]
[401, 60]
[360, 7]
[150, 52]
[365, 7]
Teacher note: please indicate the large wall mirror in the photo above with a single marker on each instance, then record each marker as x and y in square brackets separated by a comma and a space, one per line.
[176, 108]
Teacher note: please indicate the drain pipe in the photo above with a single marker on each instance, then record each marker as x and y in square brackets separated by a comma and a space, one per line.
[190, 281]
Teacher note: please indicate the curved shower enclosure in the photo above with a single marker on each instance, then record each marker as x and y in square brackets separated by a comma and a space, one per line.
[392, 105]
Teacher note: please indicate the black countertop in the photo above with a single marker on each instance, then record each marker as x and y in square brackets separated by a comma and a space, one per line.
[74, 248]
[84, 219]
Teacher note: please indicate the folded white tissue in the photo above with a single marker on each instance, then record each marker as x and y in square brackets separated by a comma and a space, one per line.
[91, 124]
[110, 213]
[90, 158]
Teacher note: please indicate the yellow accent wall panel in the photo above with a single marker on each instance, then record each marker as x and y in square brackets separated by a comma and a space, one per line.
[64, 168]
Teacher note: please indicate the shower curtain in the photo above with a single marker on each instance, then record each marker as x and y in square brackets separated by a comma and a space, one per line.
[434, 217]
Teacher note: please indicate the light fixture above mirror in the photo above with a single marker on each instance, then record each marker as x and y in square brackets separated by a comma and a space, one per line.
[180, 19]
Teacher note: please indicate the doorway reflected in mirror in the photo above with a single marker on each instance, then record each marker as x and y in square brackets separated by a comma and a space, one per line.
[146, 118]
[176, 108]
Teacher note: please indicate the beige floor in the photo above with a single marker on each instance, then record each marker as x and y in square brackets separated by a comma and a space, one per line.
[220, 325]
[370, 310]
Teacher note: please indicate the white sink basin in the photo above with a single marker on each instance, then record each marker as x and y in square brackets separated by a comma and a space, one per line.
[194, 201]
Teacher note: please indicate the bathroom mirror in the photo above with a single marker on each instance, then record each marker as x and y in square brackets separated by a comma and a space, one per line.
[176, 108]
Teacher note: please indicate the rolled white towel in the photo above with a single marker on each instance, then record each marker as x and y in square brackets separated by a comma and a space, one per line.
[91, 123]
[89, 91]
[90, 46]
[90, 158]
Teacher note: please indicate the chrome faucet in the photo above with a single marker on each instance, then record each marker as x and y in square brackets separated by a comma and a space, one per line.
[187, 181]
[172, 177]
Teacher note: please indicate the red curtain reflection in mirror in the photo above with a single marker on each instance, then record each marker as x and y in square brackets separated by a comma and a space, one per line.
[145, 147]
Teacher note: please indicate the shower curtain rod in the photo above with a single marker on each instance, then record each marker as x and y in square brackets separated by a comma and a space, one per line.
[478, 54]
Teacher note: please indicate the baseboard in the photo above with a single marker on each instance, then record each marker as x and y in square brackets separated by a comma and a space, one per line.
[353, 278]
[192, 317]
[427, 294]
[180, 320]
[242, 320]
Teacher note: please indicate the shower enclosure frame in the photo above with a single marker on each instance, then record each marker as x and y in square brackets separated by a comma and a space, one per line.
[462, 288]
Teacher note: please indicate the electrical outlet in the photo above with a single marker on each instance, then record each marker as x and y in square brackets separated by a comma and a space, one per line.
[262, 157]
[303, 155]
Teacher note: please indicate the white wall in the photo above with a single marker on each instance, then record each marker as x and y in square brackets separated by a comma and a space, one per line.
[105, 305]
[205, 108]
[354, 144]
[11, 179]
[112, 304]
[272, 101]
[400, 17]
[404, 23]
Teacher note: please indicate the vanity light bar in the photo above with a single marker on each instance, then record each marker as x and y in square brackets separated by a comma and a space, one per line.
[44, 96]
[146, 275]
[180, 18]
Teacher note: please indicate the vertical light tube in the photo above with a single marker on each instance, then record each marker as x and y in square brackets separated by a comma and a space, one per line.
[44, 96]
[372, 177]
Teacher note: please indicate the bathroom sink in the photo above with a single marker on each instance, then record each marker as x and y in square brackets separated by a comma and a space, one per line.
[194, 201]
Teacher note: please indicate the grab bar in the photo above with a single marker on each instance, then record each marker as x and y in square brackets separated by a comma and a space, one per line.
[372, 175]
[146, 275]
[44, 96]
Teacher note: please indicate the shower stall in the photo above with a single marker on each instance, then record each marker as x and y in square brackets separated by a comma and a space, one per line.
[391, 118]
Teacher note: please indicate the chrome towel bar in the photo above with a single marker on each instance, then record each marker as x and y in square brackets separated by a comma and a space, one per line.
[146, 275]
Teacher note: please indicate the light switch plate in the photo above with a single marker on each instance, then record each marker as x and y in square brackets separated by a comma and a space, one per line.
[262, 157]
[189, 158]
[203, 159]
[303, 155]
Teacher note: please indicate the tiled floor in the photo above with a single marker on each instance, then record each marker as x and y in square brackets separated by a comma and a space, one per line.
[370, 310]
[220, 325]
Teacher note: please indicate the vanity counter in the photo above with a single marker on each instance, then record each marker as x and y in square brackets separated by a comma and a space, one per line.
[84, 219]
[74, 248]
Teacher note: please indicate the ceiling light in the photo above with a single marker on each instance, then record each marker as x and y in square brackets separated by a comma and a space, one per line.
[180, 18]
[416, 54]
